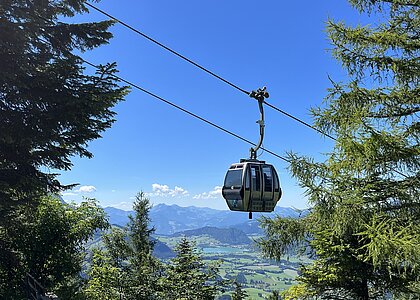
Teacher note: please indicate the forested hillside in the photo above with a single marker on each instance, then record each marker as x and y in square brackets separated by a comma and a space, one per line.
[224, 235]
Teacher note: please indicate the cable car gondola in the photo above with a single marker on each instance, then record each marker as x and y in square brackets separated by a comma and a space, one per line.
[252, 185]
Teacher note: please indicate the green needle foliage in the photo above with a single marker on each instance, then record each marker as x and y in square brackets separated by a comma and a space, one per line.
[105, 281]
[144, 266]
[363, 230]
[49, 107]
[187, 277]
[126, 267]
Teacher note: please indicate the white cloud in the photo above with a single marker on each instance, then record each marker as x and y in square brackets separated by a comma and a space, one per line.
[214, 194]
[164, 190]
[179, 191]
[160, 188]
[86, 189]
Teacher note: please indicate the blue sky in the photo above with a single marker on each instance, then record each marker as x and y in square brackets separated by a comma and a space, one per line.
[177, 159]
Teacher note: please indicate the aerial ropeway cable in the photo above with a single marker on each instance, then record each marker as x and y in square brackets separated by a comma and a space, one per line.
[218, 77]
[186, 111]
[250, 185]
[204, 69]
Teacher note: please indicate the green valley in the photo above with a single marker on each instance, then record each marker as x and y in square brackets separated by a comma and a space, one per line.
[257, 275]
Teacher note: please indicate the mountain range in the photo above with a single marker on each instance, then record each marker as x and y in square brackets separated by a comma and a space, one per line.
[231, 236]
[170, 219]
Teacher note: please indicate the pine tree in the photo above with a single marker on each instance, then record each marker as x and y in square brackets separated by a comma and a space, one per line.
[126, 266]
[145, 268]
[49, 108]
[139, 228]
[188, 277]
[364, 226]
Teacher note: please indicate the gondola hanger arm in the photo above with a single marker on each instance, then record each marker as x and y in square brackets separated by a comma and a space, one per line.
[260, 95]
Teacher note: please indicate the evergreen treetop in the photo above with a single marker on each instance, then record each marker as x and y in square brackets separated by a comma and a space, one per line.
[188, 277]
[126, 268]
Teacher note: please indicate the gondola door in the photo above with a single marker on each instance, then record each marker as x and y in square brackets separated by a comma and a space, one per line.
[268, 192]
[256, 202]
[247, 189]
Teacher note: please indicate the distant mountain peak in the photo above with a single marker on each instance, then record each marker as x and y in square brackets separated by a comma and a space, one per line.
[169, 219]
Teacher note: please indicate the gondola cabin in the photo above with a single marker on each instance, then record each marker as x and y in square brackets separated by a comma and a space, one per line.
[251, 185]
